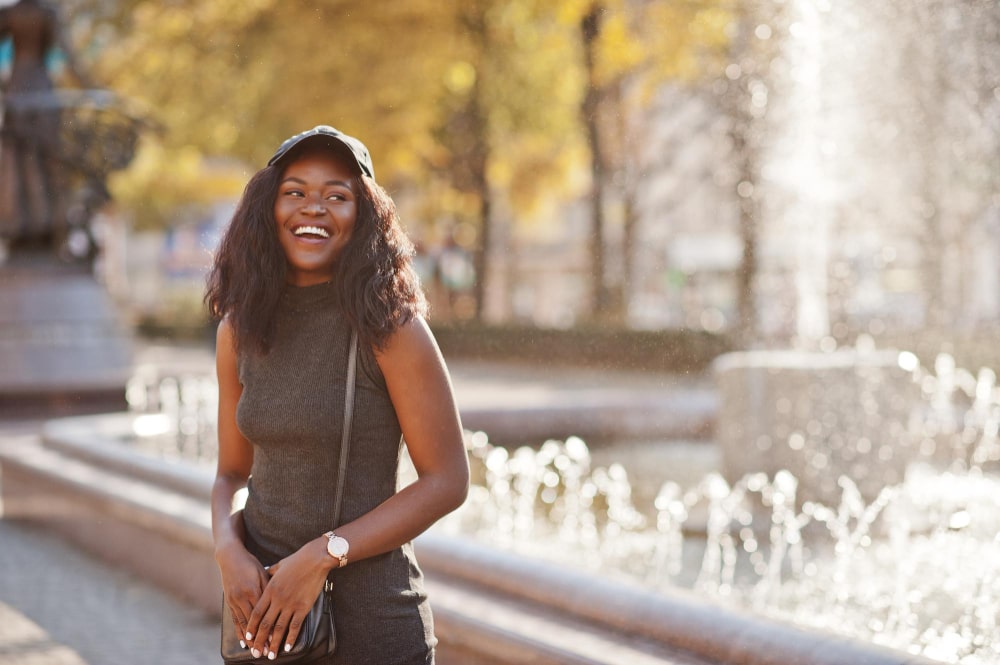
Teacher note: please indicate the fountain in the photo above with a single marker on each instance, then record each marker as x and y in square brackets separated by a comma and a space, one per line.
[912, 563]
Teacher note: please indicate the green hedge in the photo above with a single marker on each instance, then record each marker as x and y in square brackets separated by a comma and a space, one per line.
[600, 348]
[605, 348]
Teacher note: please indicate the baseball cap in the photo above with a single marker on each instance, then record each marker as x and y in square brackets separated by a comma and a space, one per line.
[355, 147]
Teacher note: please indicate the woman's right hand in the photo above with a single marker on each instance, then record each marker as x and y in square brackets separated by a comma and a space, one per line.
[243, 582]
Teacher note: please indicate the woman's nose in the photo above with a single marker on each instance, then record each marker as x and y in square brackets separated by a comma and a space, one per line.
[314, 208]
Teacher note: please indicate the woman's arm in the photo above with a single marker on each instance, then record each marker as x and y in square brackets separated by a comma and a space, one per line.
[421, 393]
[243, 578]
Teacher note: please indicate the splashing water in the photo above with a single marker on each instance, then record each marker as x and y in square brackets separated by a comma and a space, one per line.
[915, 568]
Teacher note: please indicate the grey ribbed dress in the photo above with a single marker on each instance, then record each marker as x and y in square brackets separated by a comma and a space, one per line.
[291, 410]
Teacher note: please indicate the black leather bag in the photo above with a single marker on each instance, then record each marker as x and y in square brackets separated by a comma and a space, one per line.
[318, 636]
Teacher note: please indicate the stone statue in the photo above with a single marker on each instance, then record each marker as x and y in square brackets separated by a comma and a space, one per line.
[63, 346]
[56, 145]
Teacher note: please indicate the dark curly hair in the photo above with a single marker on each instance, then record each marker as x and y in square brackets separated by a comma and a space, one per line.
[377, 288]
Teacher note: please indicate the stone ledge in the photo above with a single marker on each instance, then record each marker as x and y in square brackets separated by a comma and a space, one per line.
[92, 439]
[166, 535]
[161, 535]
[678, 619]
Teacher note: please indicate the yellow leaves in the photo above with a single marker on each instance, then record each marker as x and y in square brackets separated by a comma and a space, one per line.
[618, 49]
[569, 12]
[460, 77]
[161, 181]
[710, 26]
[236, 77]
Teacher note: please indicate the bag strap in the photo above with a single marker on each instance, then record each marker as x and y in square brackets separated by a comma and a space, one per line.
[345, 439]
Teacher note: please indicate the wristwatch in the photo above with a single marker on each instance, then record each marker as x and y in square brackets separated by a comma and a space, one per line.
[337, 547]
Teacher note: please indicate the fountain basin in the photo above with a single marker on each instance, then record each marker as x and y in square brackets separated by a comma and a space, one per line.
[91, 491]
[818, 415]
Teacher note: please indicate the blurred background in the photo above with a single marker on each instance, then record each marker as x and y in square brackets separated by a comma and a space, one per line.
[773, 171]
[616, 205]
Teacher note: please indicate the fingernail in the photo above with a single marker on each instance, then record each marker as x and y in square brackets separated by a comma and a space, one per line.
[288, 647]
[256, 653]
[249, 636]
[272, 656]
[243, 645]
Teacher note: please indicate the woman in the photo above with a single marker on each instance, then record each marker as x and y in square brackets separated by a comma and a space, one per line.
[315, 250]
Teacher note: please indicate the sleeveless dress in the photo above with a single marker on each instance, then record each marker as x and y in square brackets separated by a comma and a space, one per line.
[291, 410]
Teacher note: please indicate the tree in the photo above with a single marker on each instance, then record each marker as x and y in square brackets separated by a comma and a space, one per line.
[455, 101]
[754, 43]
[590, 27]
[629, 49]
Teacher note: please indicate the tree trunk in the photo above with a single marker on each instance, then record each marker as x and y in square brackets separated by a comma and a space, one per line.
[478, 156]
[627, 168]
[736, 104]
[590, 27]
[479, 163]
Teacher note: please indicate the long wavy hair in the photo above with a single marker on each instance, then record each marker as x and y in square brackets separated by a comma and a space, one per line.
[376, 285]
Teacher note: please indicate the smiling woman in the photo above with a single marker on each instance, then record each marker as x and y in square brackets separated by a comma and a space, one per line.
[313, 258]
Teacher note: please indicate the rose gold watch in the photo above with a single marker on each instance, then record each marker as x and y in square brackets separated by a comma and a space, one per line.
[337, 547]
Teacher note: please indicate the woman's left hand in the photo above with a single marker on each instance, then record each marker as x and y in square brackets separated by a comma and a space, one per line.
[294, 584]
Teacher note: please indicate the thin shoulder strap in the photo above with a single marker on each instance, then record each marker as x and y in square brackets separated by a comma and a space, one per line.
[345, 439]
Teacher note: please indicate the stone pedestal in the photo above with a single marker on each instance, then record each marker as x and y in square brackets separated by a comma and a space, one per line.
[818, 415]
[63, 346]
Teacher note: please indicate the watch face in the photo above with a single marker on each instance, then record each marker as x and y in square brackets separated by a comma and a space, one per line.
[337, 547]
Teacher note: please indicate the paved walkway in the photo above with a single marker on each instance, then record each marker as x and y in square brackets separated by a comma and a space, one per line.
[59, 606]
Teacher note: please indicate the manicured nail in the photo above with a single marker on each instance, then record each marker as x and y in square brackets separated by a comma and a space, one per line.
[288, 647]
[243, 645]
[256, 653]
[249, 636]
[272, 656]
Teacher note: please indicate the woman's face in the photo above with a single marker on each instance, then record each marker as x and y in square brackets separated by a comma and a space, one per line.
[315, 212]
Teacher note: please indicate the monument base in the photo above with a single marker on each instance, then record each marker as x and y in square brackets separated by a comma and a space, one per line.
[63, 346]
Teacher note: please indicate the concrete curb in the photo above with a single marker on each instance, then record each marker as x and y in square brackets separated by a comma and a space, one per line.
[166, 538]
[676, 618]
[91, 439]
[169, 504]
[668, 417]
[159, 534]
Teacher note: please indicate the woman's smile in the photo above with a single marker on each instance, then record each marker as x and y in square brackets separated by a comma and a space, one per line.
[311, 233]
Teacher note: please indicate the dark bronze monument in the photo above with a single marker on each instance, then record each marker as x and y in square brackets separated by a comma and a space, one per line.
[62, 345]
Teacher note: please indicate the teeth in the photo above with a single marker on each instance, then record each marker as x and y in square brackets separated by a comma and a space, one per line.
[311, 230]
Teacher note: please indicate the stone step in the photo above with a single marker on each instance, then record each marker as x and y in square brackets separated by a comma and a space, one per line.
[491, 607]
[164, 535]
